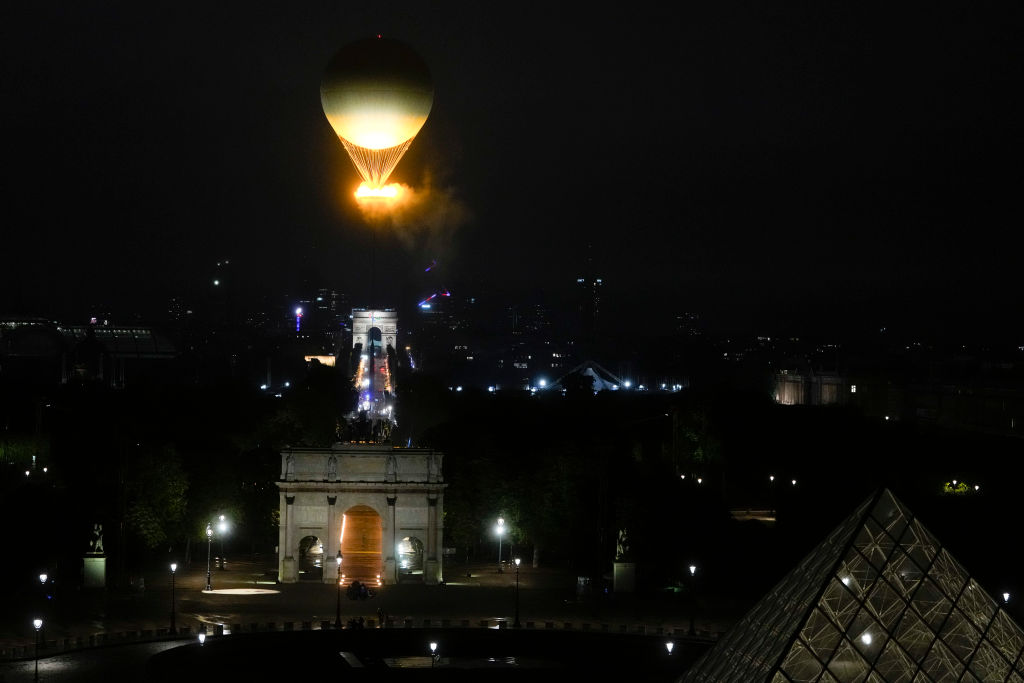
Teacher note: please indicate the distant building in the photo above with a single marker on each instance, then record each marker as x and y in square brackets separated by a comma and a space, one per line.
[810, 389]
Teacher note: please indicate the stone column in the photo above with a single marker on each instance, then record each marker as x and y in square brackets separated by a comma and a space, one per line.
[390, 564]
[333, 544]
[289, 572]
[431, 567]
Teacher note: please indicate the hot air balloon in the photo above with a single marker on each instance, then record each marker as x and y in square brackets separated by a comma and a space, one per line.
[376, 94]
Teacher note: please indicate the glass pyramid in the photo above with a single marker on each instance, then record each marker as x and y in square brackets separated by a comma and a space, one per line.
[879, 600]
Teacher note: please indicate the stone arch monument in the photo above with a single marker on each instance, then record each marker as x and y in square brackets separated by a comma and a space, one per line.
[403, 486]
[364, 320]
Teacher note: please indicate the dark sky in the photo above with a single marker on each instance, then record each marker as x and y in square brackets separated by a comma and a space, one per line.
[749, 160]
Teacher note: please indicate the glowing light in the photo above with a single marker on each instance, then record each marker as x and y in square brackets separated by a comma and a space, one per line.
[1006, 597]
[846, 580]
[669, 645]
[392, 191]
[202, 638]
[866, 639]
[542, 383]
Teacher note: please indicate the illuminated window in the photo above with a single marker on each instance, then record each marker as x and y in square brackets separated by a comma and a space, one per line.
[853, 388]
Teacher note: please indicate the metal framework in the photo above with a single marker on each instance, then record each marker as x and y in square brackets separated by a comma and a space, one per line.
[879, 600]
[375, 165]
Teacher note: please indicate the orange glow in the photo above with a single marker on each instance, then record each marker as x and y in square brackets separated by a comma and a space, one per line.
[392, 191]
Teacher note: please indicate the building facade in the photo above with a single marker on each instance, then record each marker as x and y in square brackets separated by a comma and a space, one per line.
[381, 507]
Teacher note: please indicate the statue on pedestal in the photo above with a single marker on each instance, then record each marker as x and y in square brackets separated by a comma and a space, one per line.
[96, 542]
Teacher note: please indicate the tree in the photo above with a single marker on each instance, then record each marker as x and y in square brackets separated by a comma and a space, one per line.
[155, 489]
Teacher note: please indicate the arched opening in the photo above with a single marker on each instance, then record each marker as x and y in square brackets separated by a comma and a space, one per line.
[311, 559]
[361, 539]
[410, 559]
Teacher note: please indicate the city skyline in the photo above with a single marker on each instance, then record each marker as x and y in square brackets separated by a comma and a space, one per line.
[744, 162]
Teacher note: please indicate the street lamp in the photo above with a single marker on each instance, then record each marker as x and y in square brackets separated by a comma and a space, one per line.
[209, 542]
[517, 624]
[202, 638]
[693, 597]
[337, 581]
[433, 653]
[500, 529]
[174, 568]
[38, 623]
[669, 645]
[42, 579]
[1006, 598]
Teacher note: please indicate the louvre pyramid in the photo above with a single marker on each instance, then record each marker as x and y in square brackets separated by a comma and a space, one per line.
[879, 600]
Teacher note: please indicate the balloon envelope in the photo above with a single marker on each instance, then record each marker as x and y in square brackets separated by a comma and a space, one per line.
[376, 93]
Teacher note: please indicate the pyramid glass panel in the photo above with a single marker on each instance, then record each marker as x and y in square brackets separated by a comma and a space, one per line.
[886, 604]
[867, 635]
[1006, 636]
[890, 514]
[940, 664]
[988, 664]
[864, 608]
[874, 543]
[919, 544]
[914, 635]
[821, 635]
[903, 573]
[894, 665]
[977, 605]
[847, 664]
[800, 665]
[947, 573]
[838, 601]
[931, 604]
[860, 573]
[959, 635]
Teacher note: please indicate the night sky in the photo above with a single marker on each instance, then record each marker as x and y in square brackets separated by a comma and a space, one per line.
[756, 162]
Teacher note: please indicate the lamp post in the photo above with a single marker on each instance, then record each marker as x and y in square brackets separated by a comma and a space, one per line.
[693, 597]
[209, 542]
[174, 568]
[500, 529]
[337, 581]
[517, 624]
[38, 623]
[433, 653]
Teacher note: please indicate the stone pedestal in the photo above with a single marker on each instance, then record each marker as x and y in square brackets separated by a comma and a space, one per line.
[431, 572]
[624, 577]
[95, 573]
[389, 571]
[289, 570]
